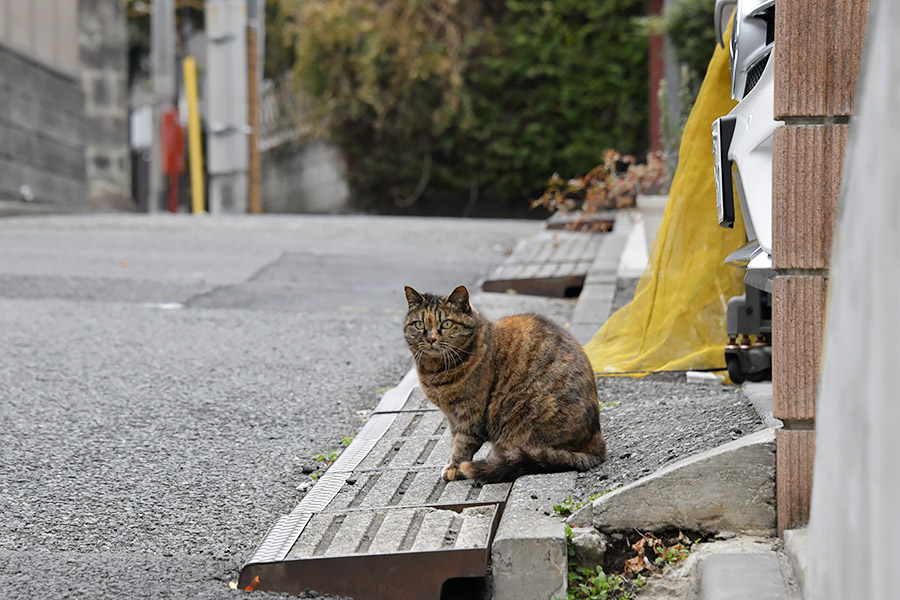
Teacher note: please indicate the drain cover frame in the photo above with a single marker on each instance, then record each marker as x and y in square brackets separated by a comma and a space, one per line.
[551, 263]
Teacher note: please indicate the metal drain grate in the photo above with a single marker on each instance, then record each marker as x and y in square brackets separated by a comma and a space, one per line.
[381, 523]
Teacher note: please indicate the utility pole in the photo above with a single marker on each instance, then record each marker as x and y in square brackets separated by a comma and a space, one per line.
[226, 102]
[162, 75]
[254, 62]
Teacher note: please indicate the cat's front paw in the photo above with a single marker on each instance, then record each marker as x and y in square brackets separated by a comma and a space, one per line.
[450, 473]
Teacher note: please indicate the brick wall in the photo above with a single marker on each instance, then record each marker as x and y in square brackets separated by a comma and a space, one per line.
[818, 44]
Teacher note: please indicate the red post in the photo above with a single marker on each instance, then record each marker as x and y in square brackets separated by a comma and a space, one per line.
[173, 163]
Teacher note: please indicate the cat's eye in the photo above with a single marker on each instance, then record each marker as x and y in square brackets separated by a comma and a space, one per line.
[447, 324]
[419, 325]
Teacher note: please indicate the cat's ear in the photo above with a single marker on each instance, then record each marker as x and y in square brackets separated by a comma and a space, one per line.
[460, 299]
[413, 297]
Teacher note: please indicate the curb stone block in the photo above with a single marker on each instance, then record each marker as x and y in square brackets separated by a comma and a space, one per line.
[795, 546]
[728, 488]
[529, 555]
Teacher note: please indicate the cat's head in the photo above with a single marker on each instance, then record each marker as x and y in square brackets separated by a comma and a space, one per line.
[440, 326]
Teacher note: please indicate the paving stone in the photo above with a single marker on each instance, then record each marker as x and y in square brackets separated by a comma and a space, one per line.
[742, 577]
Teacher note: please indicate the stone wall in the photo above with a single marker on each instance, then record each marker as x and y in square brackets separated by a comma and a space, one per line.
[103, 49]
[41, 135]
[818, 44]
[304, 178]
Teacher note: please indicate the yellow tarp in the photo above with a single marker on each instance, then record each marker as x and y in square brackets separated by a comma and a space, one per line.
[677, 318]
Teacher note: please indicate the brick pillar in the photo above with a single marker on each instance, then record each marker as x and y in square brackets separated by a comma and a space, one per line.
[818, 44]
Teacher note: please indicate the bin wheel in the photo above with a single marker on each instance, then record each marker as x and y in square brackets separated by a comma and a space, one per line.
[734, 369]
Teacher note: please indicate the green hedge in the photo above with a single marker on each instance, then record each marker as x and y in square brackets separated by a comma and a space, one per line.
[462, 106]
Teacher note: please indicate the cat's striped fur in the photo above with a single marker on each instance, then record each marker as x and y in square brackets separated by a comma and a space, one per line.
[522, 383]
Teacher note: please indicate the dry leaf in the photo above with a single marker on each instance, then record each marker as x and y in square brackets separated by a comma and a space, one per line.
[635, 565]
[638, 546]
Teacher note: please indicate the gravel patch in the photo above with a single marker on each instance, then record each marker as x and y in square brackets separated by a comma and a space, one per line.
[659, 419]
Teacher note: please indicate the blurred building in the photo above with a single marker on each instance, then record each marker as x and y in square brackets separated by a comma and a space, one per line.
[64, 121]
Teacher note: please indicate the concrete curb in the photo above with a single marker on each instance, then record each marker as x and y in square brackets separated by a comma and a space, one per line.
[795, 547]
[729, 488]
[760, 395]
[529, 555]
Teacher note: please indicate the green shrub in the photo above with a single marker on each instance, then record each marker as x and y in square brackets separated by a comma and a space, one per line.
[461, 104]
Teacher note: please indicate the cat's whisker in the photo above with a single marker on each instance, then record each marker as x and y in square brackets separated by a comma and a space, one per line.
[454, 355]
[446, 358]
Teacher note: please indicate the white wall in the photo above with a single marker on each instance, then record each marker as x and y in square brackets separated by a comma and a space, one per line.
[855, 510]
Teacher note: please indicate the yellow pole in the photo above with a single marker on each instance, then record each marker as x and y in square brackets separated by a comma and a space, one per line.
[195, 147]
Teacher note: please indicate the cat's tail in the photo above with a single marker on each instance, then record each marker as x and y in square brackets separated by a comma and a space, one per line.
[509, 465]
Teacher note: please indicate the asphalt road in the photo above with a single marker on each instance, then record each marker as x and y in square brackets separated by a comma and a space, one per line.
[163, 381]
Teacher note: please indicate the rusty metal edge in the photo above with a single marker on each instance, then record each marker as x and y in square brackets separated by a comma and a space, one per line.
[399, 575]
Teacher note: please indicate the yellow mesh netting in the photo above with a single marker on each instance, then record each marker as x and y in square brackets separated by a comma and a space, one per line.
[677, 318]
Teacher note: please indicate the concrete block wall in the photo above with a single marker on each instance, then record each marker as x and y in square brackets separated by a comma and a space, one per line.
[103, 50]
[818, 45]
[41, 133]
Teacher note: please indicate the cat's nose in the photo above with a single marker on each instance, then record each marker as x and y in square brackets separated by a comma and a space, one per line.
[431, 339]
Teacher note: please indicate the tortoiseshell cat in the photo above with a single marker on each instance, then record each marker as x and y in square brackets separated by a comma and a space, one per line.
[522, 383]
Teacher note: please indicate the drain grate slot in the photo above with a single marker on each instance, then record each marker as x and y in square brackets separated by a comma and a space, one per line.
[364, 490]
[401, 489]
[412, 531]
[407, 431]
[328, 535]
[371, 531]
[426, 452]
